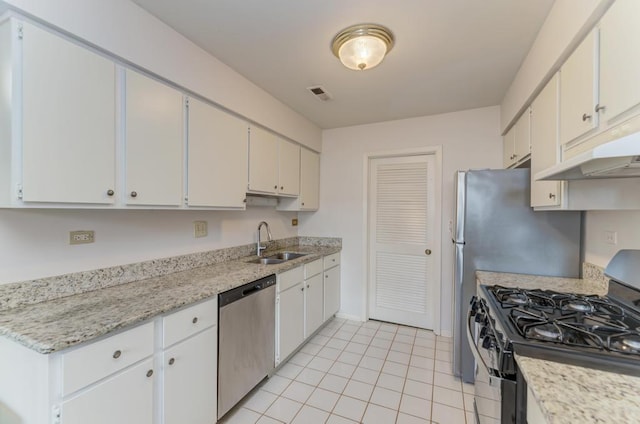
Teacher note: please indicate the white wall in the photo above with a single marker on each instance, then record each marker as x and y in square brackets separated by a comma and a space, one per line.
[127, 31]
[35, 243]
[566, 25]
[469, 139]
[625, 223]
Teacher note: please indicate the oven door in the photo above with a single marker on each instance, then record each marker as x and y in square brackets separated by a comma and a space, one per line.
[490, 388]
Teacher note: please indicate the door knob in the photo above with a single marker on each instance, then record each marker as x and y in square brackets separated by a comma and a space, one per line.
[427, 252]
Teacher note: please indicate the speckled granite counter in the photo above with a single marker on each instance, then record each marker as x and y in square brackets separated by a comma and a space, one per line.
[59, 323]
[574, 285]
[570, 394]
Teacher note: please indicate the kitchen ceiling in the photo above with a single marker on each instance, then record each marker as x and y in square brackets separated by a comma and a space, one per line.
[449, 55]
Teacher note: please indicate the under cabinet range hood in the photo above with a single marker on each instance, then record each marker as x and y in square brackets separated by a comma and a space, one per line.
[616, 159]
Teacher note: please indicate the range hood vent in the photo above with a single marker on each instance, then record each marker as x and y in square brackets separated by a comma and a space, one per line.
[616, 159]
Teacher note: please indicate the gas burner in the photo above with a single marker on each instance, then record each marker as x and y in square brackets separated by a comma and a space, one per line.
[516, 298]
[577, 305]
[626, 343]
[549, 332]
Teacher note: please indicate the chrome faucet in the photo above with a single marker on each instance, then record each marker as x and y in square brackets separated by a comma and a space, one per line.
[260, 247]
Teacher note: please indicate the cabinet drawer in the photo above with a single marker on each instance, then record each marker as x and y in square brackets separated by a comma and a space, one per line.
[331, 260]
[90, 363]
[312, 268]
[182, 324]
[290, 278]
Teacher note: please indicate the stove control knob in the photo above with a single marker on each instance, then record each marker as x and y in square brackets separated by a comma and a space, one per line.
[483, 331]
[488, 342]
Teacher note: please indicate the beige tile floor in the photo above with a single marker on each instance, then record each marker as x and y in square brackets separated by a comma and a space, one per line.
[372, 373]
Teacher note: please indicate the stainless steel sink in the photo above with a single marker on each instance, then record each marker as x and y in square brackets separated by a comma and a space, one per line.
[287, 256]
[278, 258]
[267, 261]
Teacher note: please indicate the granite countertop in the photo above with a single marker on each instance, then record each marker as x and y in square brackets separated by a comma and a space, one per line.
[56, 324]
[570, 394]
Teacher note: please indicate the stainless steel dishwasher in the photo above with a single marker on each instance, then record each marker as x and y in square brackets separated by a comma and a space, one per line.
[246, 339]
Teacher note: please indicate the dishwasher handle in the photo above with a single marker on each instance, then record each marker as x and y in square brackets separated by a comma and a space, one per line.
[245, 290]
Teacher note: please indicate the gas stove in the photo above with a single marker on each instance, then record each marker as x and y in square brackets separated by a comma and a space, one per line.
[601, 332]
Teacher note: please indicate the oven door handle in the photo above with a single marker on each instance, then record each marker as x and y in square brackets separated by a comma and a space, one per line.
[472, 342]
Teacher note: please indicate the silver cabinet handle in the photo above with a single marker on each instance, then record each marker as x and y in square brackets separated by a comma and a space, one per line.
[134, 194]
[194, 320]
[172, 361]
[599, 108]
[585, 117]
[552, 196]
[149, 373]
[427, 252]
[117, 354]
[110, 192]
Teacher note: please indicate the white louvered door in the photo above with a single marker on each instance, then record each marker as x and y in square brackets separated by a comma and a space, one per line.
[401, 225]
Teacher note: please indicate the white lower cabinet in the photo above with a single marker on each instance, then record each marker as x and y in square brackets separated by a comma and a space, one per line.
[126, 398]
[291, 320]
[306, 298]
[190, 380]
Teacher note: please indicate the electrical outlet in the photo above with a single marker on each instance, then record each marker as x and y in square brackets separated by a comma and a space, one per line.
[199, 229]
[81, 237]
[611, 237]
[294, 222]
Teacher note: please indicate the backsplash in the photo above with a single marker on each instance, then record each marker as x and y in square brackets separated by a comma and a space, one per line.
[40, 290]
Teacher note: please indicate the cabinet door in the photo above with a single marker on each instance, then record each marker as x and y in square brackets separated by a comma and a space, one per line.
[291, 320]
[544, 144]
[154, 140]
[508, 145]
[218, 158]
[619, 58]
[68, 121]
[263, 161]
[190, 380]
[309, 180]
[288, 168]
[125, 398]
[578, 90]
[522, 143]
[314, 304]
[331, 292]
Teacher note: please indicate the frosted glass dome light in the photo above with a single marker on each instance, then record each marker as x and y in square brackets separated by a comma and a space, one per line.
[363, 46]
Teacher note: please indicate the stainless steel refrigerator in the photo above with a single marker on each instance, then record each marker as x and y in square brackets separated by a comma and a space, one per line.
[496, 230]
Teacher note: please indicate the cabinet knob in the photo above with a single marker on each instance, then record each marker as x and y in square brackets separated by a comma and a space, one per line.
[552, 196]
[172, 361]
[427, 252]
[281, 187]
[117, 354]
[326, 276]
[302, 203]
[134, 194]
[302, 289]
[194, 320]
[110, 192]
[599, 108]
[149, 373]
[275, 187]
[244, 200]
[307, 285]
[585, 117]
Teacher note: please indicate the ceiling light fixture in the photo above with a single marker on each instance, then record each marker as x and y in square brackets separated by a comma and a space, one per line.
[362, 46]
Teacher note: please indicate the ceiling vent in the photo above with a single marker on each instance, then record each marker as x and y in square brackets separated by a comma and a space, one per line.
[320, 93]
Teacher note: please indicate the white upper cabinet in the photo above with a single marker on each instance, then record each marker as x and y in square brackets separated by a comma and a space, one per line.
[516, 143]
[263, 161]
[544, 145]
[619, 59]
[218, 158]
[68, 120]
[274, 164]
[288, 168]
[309, 180]
[153, 142]
[579, 90]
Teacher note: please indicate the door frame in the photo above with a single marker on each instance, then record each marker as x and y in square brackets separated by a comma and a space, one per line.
[436, 151]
